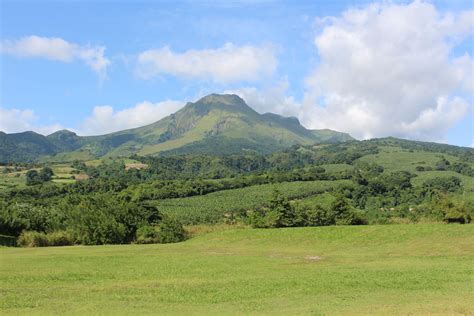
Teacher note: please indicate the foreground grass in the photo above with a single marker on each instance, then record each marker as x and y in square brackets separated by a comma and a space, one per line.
[395, 269]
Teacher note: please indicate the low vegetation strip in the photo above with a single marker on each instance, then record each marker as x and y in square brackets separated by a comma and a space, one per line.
[212, 207]
[378, 269]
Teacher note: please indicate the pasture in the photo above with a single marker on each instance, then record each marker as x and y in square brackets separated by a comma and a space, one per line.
[392, 269]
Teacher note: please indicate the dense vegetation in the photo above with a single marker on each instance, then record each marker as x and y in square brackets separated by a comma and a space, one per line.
[148, 199]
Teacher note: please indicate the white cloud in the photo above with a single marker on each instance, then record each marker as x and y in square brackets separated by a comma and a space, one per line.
[387, 69]
[57, 49]
[15, 121]
[227, 64]
[105, 119]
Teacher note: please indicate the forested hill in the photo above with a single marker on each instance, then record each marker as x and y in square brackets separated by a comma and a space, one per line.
[215, 124]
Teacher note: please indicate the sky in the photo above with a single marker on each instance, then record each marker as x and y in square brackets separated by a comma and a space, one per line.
[372, 69]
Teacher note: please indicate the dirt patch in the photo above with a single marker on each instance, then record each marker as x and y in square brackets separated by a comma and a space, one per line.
[81, 177]
[313, 258]
[135, 166]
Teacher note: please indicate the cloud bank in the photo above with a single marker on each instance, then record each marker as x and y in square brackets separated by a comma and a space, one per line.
[227, 64]
[15, 121]
[387, 69]
[57, 49]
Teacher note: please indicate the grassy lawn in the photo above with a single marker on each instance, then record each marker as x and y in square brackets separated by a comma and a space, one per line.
[393, 269]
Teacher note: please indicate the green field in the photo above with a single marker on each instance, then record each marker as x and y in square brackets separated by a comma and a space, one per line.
[398, 159]
[393, 269]
[210, 208]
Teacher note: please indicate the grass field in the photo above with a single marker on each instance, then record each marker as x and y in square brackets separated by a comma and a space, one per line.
[378, 270]
[398, 159]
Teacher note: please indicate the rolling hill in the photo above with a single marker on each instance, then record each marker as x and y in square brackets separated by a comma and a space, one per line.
[217, 124]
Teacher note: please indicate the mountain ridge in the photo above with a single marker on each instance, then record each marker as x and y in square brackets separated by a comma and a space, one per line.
[221, 124]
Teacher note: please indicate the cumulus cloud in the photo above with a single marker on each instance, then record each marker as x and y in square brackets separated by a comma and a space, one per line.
[388, 69]
[57, 49]
[227, 64]
[15, 121]
[105, 119]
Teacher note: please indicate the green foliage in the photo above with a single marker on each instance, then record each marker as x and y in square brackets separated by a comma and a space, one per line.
[40, 239]
[60, 238]
[16, 217]
[146, 235]
[45, 174]
[343, 213]
[317, 215]
[170, 230]
[34, 177]
[104, 220]
[434, 186]
[451, 210]
[279, 213]
[32, 239]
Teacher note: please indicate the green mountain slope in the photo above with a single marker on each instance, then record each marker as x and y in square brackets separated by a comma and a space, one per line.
[217, 124]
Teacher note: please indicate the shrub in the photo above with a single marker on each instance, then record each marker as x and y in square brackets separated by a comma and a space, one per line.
[146, 235]
[317, 216]
[456, 216]
[170, 230]
[343, 213]
[32, 239]
[60, 238]
[263, 217]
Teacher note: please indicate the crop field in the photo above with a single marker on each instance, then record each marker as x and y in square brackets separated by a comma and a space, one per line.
[369, 270]
[210, 208]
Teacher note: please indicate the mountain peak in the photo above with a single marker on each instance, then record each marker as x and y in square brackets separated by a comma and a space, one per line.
[62, 132]
[227, 102]
[214, 98]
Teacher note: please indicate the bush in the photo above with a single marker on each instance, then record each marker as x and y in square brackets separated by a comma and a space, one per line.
[146, 235]
[263, 218]
[456, 216]
[32, 239]
[170, 230]
[60, 238]
[343, 213]
[317, 216]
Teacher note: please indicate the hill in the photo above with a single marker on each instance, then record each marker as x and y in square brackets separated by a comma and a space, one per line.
[215, 124]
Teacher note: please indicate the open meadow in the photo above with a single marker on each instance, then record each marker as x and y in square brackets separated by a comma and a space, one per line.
[378, 269]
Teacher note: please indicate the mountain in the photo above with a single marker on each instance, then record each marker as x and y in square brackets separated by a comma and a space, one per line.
[215, 124]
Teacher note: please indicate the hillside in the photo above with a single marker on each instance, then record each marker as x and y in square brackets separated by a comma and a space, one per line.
[215, 124]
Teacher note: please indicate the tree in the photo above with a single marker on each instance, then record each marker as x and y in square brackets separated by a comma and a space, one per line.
[285, 214]
[343, 212]
[170, 230]
[32, 177]
[45, 174]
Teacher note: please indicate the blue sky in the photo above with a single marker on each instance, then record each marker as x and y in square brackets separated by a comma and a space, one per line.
[372, 69]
